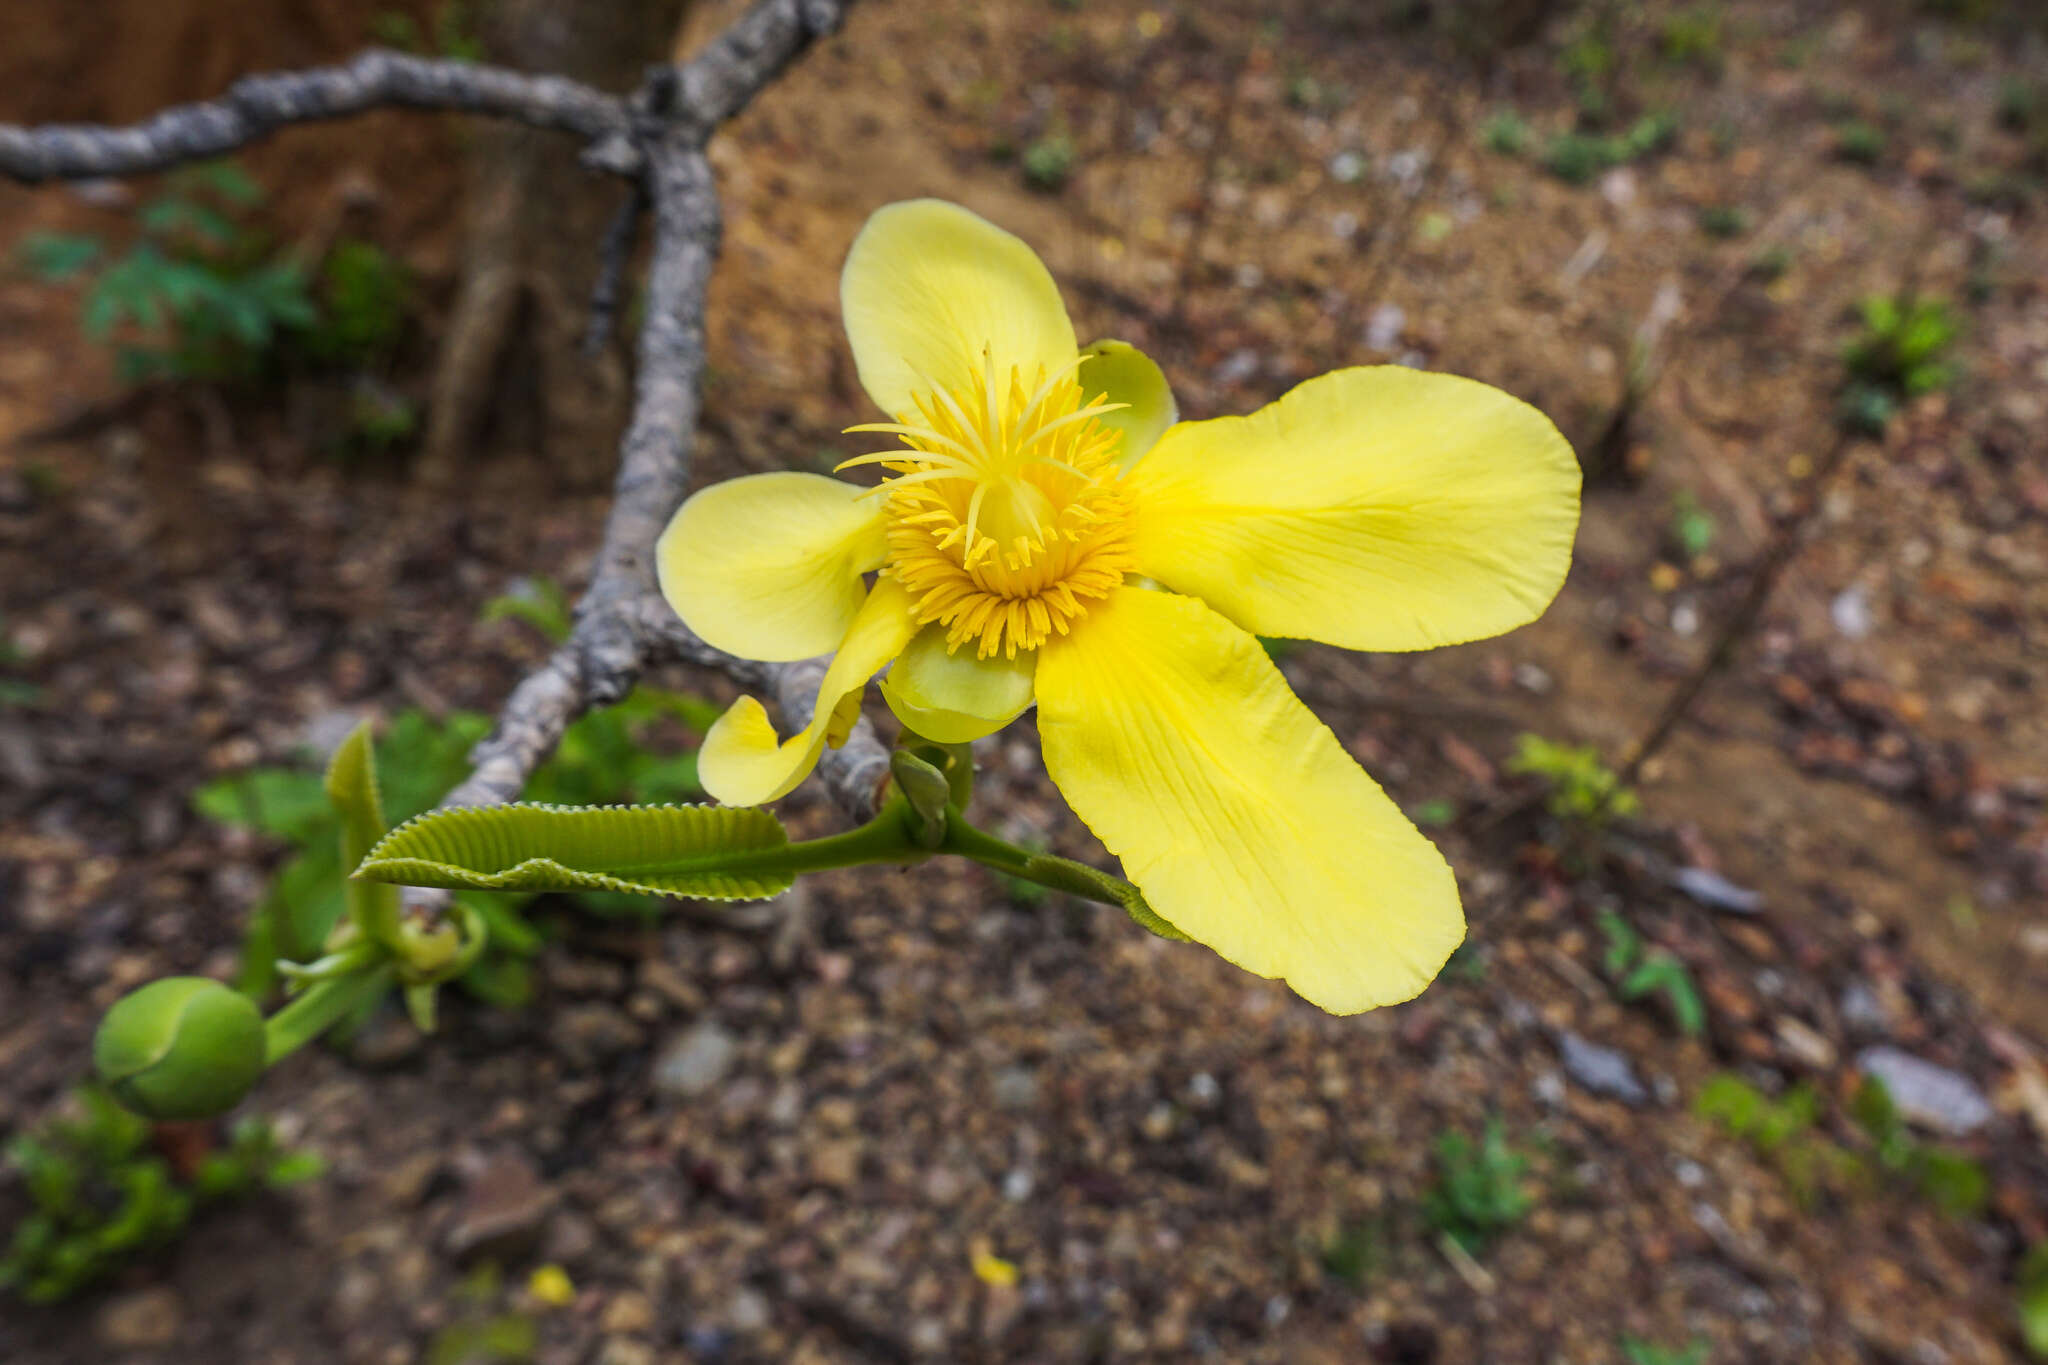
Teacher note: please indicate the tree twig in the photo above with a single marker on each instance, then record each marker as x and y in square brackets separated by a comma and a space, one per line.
[612, 258]
[1743, 619]
[257, 106]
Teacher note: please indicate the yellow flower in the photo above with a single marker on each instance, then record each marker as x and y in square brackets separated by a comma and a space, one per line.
[1047, 531]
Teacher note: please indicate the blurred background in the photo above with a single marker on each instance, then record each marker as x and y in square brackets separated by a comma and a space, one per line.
[1743, 1059]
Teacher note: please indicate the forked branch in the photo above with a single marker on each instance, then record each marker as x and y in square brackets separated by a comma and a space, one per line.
[655, 137]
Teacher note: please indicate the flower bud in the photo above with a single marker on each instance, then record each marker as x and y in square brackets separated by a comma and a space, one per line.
[185, 1047]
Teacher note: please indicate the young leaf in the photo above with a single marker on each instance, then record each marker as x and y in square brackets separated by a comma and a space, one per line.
[351, 784]
[57, 256]
[708, 852]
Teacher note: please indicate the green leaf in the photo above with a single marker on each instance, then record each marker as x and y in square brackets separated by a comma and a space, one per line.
[539, 602]
[171, 215]
[280, 801]
[499, 980]
[57, 256]
[351, 785]
[2033, 1300]
[294, 1168]
[223, 178]
[1661, 971]
[707, 852]
[1624, 944]
[1958, 1185]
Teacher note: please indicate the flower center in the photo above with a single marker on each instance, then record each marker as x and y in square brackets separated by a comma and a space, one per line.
[1004, 514]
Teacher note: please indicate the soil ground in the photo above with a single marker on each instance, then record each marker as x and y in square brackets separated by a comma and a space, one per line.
[921, 1070]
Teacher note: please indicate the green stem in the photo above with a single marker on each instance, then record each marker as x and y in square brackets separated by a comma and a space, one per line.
[323, 1005]
[1058, 874]
[884, 839]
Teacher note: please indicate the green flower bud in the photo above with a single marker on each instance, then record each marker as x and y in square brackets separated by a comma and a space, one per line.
[185, 1047]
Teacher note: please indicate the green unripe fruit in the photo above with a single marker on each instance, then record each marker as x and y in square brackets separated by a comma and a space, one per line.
[185, 1047]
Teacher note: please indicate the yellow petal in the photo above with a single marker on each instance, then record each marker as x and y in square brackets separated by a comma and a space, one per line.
[1379, 508]
[955, 697]
[930, 289]
[741, 762]
[768, 566]
[1127, 375]
[1236, 811]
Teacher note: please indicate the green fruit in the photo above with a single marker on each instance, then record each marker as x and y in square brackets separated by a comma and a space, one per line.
[185, 1047]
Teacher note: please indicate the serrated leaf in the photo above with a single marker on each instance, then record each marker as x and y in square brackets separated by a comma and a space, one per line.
[706, 852]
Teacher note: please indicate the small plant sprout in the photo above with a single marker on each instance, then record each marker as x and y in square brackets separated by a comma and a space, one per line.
[1049, 161]
[199, 295]
[1481, 1188]
[1723, 221]
[1860, 143]
[2031, 1300]
[1692, 529]
[1953, 1182]
[1636, 1351]
[100, 1194]
[1899, 353]
[1576, 158]
[1583, 790]
[1638, 973]
[1505, 133]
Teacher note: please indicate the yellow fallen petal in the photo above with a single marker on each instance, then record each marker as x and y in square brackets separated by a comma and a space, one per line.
[931, 291]
[1124, 374]
[552, 1286]
[768, 566]
[994, 1271]
[1378, 508]
[956, 697]
[1236, 811]
[741, 763]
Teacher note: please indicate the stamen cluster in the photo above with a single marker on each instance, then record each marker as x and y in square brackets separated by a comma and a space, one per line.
[1005, 518]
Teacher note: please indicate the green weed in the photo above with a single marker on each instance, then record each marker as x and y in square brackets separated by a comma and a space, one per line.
[1899, 353]
[1692, 526]
[1636, 1351]
[2031, 1299]
[1638, 973]
[1693, 37]
[1583, 789]
[1356, 1252]
[1048, 163]
[1859, 142]
[1576, 158]
[1505, 133]
[200, 295]
[101, 1195]
[1481, 1188]
[13, 691]
[1723, 221]
[454, 35]
[1954, 1183]
[365, 296]
[1780, 1131]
